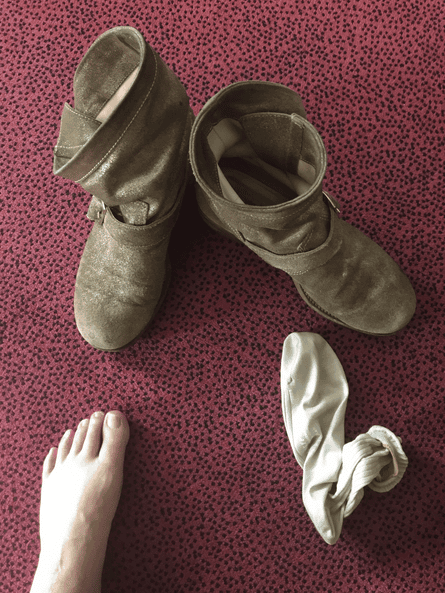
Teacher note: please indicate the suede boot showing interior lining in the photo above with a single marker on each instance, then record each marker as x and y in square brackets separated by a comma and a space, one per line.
[125, 141]
[259, 167]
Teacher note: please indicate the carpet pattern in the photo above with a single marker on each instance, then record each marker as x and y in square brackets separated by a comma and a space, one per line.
[212, 494]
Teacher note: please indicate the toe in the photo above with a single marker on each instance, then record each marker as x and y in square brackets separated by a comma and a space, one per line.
[64, 446]
[79, 437]
[116, 433]
[50, 462]
[94, 434]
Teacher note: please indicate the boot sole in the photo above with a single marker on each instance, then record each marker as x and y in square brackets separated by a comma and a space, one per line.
[323, 313]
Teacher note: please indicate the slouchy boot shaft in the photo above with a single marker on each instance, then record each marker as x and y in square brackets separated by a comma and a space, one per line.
[138, 152]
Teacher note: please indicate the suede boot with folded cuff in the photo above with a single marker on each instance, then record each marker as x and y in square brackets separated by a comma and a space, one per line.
[126, 142]
[259, 166]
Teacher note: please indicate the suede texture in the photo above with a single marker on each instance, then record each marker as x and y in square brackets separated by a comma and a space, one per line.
[135, 154]
[135, 160]
[339, 272]
[121, 281]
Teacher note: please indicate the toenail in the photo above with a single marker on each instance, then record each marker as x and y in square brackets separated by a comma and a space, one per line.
[113, 420]
[98, 414]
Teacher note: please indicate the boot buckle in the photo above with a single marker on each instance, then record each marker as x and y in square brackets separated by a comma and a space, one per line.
[96, 210]
[332, 202]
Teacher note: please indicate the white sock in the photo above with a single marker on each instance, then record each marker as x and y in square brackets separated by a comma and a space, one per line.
[314, 395]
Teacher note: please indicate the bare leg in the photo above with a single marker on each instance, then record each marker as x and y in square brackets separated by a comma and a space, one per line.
[81, 487]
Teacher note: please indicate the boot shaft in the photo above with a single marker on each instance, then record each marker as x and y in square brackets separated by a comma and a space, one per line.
[133, 154]
[260, 166]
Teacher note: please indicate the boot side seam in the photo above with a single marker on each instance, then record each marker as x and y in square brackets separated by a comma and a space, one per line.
[235, 231]
[307, 239]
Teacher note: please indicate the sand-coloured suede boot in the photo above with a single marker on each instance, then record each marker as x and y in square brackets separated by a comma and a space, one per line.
[259, 166]
[125, 141]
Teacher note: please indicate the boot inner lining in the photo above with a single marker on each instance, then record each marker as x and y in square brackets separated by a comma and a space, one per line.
[117, 98]
[247, 179]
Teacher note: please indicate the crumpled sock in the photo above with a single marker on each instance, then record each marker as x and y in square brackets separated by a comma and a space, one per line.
[314, 394]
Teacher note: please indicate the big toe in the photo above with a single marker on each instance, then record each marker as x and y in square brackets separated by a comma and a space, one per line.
[116, 433]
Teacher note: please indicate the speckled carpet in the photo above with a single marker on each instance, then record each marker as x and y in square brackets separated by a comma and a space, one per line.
[212, 493]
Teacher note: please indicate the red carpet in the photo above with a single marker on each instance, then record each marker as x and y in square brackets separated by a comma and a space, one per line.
[212, 494]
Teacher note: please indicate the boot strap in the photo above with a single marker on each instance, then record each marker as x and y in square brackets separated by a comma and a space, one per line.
[297, 264]
[144, 236]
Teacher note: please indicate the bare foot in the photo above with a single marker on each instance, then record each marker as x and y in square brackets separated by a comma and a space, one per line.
[81, 487]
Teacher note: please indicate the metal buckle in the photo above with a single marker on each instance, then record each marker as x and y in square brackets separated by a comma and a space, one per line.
[96, 211]
[332, 201]
[101, 214]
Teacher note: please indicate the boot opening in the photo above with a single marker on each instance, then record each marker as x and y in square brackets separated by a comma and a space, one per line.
[248, 179]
